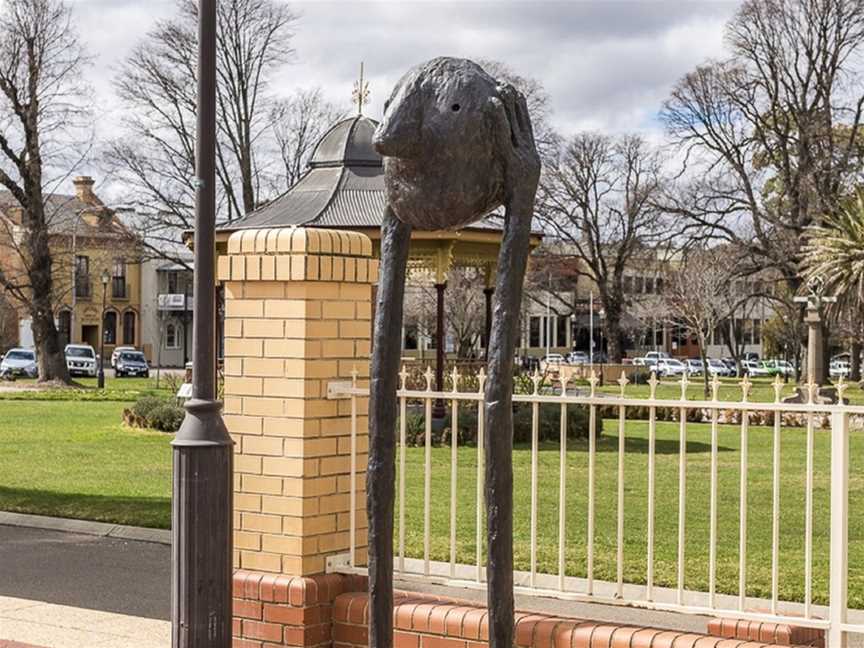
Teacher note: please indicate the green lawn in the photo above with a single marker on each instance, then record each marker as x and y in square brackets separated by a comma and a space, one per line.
[74, 458]
[697, 522]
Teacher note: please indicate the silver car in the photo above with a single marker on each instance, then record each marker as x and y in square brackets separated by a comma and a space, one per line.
[19, 362]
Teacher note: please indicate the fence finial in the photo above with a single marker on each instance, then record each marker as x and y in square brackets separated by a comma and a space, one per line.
[715, 388]
[564, 380]
[778, 388]
[745, 385]
[593, 380]
[454, 376]
[685, 383]
[812, 390]
[535, 378]
[842, 386]
[403, 377]
[623, 381]
[481, 380]
[354, 374]
[652, 384]
[428, 376]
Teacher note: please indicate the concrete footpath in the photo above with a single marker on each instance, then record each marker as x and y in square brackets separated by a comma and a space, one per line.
[46, 625]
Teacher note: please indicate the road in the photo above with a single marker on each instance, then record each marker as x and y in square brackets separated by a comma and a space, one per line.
[83, 571]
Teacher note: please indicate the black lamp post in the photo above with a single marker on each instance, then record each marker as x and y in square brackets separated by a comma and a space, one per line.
[203, 451]
[100, 379]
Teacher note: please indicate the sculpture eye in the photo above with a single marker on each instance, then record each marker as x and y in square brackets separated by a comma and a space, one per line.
[455, 107]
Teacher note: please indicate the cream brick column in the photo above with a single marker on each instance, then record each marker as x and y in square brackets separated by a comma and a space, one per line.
[297, 316]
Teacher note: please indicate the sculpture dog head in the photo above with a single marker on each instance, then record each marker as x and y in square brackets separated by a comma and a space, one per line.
[441, 141]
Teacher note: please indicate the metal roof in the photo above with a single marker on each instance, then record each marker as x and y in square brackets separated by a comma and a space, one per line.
[343, 188]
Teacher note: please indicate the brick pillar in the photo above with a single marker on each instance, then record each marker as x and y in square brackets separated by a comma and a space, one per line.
[297, 317]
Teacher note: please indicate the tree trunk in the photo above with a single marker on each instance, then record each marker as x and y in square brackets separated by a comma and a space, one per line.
[855, 361]
[614, 336]
[703, 355]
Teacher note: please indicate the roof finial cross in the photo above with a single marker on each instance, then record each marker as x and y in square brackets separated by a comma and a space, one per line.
[360, 96]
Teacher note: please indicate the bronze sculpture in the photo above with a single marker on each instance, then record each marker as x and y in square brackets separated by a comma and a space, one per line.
[456, 145]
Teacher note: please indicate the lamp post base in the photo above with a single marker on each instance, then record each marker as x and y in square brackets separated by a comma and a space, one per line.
[201, 542]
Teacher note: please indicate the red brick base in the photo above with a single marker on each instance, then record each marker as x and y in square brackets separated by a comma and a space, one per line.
[421, 622]
[330, 611]
[783, 634]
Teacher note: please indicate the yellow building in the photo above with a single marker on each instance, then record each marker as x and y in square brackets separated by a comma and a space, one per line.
[96, 262]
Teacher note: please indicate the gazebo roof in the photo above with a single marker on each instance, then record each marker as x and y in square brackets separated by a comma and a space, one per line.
[343, 188]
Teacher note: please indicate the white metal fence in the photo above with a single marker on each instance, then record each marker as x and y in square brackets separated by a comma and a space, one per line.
[834, 618]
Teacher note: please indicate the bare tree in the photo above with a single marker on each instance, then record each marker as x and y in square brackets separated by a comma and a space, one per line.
[157, 83]
[695, 295]
[42, 107]
[299, 122]
[771, 137]
[597, 197]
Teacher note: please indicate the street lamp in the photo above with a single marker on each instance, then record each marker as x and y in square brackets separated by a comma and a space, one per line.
[100, 380]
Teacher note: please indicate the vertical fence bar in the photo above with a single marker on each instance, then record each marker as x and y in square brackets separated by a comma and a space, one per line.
[622, 417]
[712, 533]
[839, 565]
[592, 452]
[481, 424]
[352, 489]
[652, 443]
[562, 491]
[775, 515]
[454, 462]
[742, 497]
[403, 411]
[682, 490]
[535, 449]
[808, 522]
[427, 486]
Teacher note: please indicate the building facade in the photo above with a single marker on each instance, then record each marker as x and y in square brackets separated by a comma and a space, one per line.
[95, 264]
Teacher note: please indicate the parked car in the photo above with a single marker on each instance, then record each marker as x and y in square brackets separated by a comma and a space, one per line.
[131, 363]
[718, 368]
[694, 366]
[778, 367]
[839, 368]
[80, 360]
[577, 357]
[19, 362]
[731, 365]
[754, 369]
[670, 367]
[551, 361]
[657, 355]
[117, 351]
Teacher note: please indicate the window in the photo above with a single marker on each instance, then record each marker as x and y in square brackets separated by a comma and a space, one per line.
[411, 337]
[64, 322]
[110, 325]
[173, 283]
[562, 330]
[757, 331]
[534, 332]
[118, 279]
[82, 277]
[129, 328]
[172, 336]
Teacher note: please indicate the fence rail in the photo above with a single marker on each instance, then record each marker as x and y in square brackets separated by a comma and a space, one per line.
[834, 618]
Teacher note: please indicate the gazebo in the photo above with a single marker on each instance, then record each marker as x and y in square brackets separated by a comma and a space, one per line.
[343, 188]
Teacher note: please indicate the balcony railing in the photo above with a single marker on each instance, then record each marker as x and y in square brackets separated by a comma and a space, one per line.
[653, 535]
[174, 302]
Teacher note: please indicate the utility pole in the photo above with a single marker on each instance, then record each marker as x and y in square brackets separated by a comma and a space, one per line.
[203, 451]
[591, 328]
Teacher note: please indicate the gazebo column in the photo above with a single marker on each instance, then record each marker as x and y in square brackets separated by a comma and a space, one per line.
[443, 262]
[488, 291]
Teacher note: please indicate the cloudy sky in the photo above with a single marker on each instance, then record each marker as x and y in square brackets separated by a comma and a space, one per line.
[607, 64]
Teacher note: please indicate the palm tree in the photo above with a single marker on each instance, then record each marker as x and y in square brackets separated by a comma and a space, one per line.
[834, 256]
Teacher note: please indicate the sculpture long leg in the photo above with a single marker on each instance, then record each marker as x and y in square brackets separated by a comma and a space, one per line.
[499, 423]
[381, 475]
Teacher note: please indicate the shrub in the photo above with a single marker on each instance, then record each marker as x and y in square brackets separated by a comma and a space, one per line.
[167, 417]
[144, 407]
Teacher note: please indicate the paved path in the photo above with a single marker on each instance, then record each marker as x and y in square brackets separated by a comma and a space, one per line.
[108, 574]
